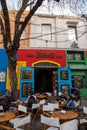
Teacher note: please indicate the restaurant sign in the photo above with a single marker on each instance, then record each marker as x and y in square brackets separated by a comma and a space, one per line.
[32, 56]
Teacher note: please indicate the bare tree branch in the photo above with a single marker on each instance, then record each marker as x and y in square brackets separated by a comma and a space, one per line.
[18, 16]
[2, 28]
[6, 20]
[30, 14]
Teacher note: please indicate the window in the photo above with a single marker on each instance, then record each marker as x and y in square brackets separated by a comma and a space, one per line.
[23, 33]
[72, 32]
[46, 30]
[78, 57]
[75, 56]
[70, 56]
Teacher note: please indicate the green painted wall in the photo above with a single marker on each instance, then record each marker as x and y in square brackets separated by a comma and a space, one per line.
[76, 60]
[83, 92]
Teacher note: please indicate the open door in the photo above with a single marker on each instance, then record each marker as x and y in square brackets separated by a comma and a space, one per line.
[64, 80]
[26, 82]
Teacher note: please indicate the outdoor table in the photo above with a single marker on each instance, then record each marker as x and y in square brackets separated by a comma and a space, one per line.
[69, 115]
[6, 116]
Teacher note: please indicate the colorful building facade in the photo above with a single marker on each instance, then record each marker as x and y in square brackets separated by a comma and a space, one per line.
[47, 74]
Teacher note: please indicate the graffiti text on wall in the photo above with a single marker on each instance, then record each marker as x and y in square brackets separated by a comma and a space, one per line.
[2, 76]
[44, 55]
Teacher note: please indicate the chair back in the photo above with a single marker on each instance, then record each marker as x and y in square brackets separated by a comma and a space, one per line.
[22, 108]
[35, 105]
[19, 129]
[70, 125]
[21, 121]
[1, 108]
[85, 110]
[83, 118]
[77, 103]
[51, 121]
[54, 105]
[48, 94]
[48, 107]
[42, 102]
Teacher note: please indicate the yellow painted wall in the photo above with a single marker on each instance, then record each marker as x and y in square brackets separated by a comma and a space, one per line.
[19, 65]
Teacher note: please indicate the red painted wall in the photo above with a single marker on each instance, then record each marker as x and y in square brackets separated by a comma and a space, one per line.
[37, 55]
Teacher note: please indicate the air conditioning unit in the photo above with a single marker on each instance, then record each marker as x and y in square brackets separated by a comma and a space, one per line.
[74, 45]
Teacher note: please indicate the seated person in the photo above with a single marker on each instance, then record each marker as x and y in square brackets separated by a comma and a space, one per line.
[6, 102]
[62, 97]
[75, 93]
[2, 96]
[31, 99]
[70, 102]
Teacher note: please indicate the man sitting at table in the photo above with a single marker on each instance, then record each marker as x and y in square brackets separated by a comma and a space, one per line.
[31, 99]
[75, 93]
[70, 102]
[6, 102]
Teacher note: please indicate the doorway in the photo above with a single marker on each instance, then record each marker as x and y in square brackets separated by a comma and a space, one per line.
[43, 80]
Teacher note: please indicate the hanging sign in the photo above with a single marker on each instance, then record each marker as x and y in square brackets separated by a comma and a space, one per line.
[64, 74]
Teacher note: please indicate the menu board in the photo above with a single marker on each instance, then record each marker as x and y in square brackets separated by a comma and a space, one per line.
[26, 89]
[26, 74]
[64, 75]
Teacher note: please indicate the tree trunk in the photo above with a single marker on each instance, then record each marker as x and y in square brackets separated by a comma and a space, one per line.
[12, 61]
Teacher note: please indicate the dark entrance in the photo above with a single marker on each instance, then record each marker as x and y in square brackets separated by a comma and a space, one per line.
[44, 80]
[44, 76]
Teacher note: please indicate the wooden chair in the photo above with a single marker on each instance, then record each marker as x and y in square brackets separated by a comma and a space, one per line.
[19, 123]
[48, 108]
[35, 111]
[82, 119]
[42, 102]
[55, 105]
[22, 109]
[49, 123]
[51, 106]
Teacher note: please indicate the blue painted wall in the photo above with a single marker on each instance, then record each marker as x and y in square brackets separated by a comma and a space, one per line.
[3, 68]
